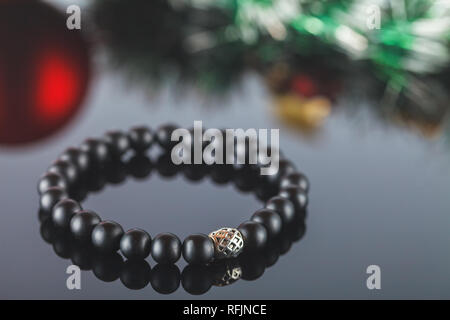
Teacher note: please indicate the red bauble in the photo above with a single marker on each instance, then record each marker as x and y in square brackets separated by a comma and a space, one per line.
[44, 71]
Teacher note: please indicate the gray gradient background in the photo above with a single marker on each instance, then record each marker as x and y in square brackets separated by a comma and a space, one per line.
[379, 196]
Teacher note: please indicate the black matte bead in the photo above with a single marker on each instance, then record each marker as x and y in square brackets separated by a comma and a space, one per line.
[48, 231]
[164, 134]
[166, 248]
[296, 195]
[115, 172]
[135, 274]
[252, 265]
[221, 174]
[141, 138]
[50, 180]
[107, 267]
[196, 279]
[95, 180]
[118, 142]
[246, 179]
[195, 172]
[285, 167]
[297, 230]
[264, 192]
[81, 257]
[51, 197]
[284, 207]
[296, 179]
[165, 278]
[77, 157]
[106, 236]
[82, 223]
[198, 249]
[165, 167]
[63, 212]
[254, 234]
[270, 219]
[135, 244]
[97, 149]
[63, 246]
[284, 244]
[139, 166]
[65, 169]
[271, 253]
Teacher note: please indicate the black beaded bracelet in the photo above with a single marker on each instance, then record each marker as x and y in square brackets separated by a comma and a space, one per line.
[166, 278]
[107, 236]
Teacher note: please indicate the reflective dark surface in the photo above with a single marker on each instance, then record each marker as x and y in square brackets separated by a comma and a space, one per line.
[166, 278]
[379, 193]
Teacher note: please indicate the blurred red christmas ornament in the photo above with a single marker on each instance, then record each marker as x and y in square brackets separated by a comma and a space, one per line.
[44, 71]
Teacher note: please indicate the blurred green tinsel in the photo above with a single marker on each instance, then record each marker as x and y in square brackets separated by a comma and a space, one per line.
[397, 37]
[211, 43]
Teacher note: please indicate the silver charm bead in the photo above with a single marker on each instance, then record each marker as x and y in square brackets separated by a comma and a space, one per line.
[228, 242]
